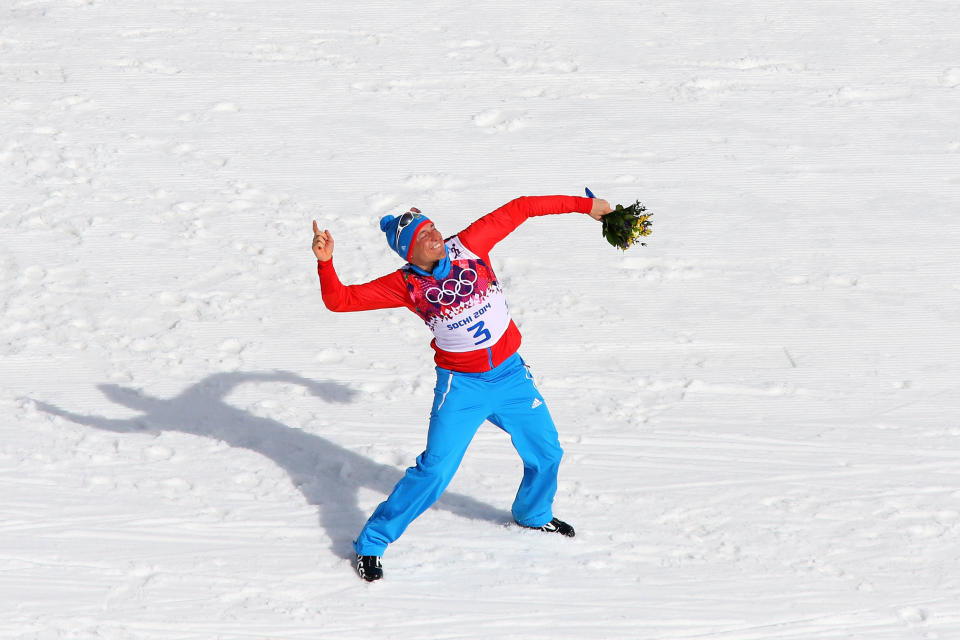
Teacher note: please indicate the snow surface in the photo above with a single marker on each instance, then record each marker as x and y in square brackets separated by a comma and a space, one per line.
[759, 409]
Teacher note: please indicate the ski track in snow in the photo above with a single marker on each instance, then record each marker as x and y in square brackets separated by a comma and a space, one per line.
[758, 409]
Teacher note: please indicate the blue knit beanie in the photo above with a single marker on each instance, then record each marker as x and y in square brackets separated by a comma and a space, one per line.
[402, 243]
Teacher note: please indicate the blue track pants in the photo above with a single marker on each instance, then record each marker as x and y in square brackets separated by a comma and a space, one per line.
[507, 397]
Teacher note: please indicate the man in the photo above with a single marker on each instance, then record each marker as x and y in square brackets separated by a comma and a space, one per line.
[451, 285]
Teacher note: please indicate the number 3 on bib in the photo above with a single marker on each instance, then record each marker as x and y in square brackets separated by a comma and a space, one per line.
[480, 332]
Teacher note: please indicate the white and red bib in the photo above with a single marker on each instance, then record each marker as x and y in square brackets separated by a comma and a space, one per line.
[466, 310]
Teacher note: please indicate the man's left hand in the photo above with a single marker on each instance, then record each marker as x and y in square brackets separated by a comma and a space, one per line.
[600, 208]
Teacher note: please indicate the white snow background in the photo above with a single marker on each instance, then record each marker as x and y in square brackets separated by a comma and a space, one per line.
[759, 409]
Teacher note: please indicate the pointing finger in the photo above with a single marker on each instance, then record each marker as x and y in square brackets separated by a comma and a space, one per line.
[316, 229]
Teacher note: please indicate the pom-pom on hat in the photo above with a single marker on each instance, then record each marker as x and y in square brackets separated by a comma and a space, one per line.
[401, 231]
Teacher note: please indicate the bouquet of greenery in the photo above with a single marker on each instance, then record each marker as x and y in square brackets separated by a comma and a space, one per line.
[624, 226]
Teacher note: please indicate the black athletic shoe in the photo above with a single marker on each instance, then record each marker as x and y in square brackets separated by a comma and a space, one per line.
[557, 526]
[369, 568]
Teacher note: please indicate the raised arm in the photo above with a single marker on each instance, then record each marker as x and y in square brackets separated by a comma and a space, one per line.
[386, 292]
[481, 236]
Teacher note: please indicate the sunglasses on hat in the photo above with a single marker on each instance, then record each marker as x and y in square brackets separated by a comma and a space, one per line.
[404, 221]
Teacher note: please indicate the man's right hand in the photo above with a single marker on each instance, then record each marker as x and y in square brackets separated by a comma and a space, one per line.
[322, 243]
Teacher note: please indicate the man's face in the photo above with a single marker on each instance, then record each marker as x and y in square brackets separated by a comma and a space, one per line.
[428, 246]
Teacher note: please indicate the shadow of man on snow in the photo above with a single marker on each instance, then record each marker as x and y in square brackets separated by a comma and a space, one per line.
[328, 475]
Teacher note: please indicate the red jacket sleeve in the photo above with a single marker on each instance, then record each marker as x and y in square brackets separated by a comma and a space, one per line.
[481, 236]
[386, 292]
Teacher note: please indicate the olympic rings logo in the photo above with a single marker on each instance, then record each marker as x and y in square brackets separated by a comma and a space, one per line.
[452, 290]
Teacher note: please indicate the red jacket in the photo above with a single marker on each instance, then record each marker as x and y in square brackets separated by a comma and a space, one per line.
[404, 288]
